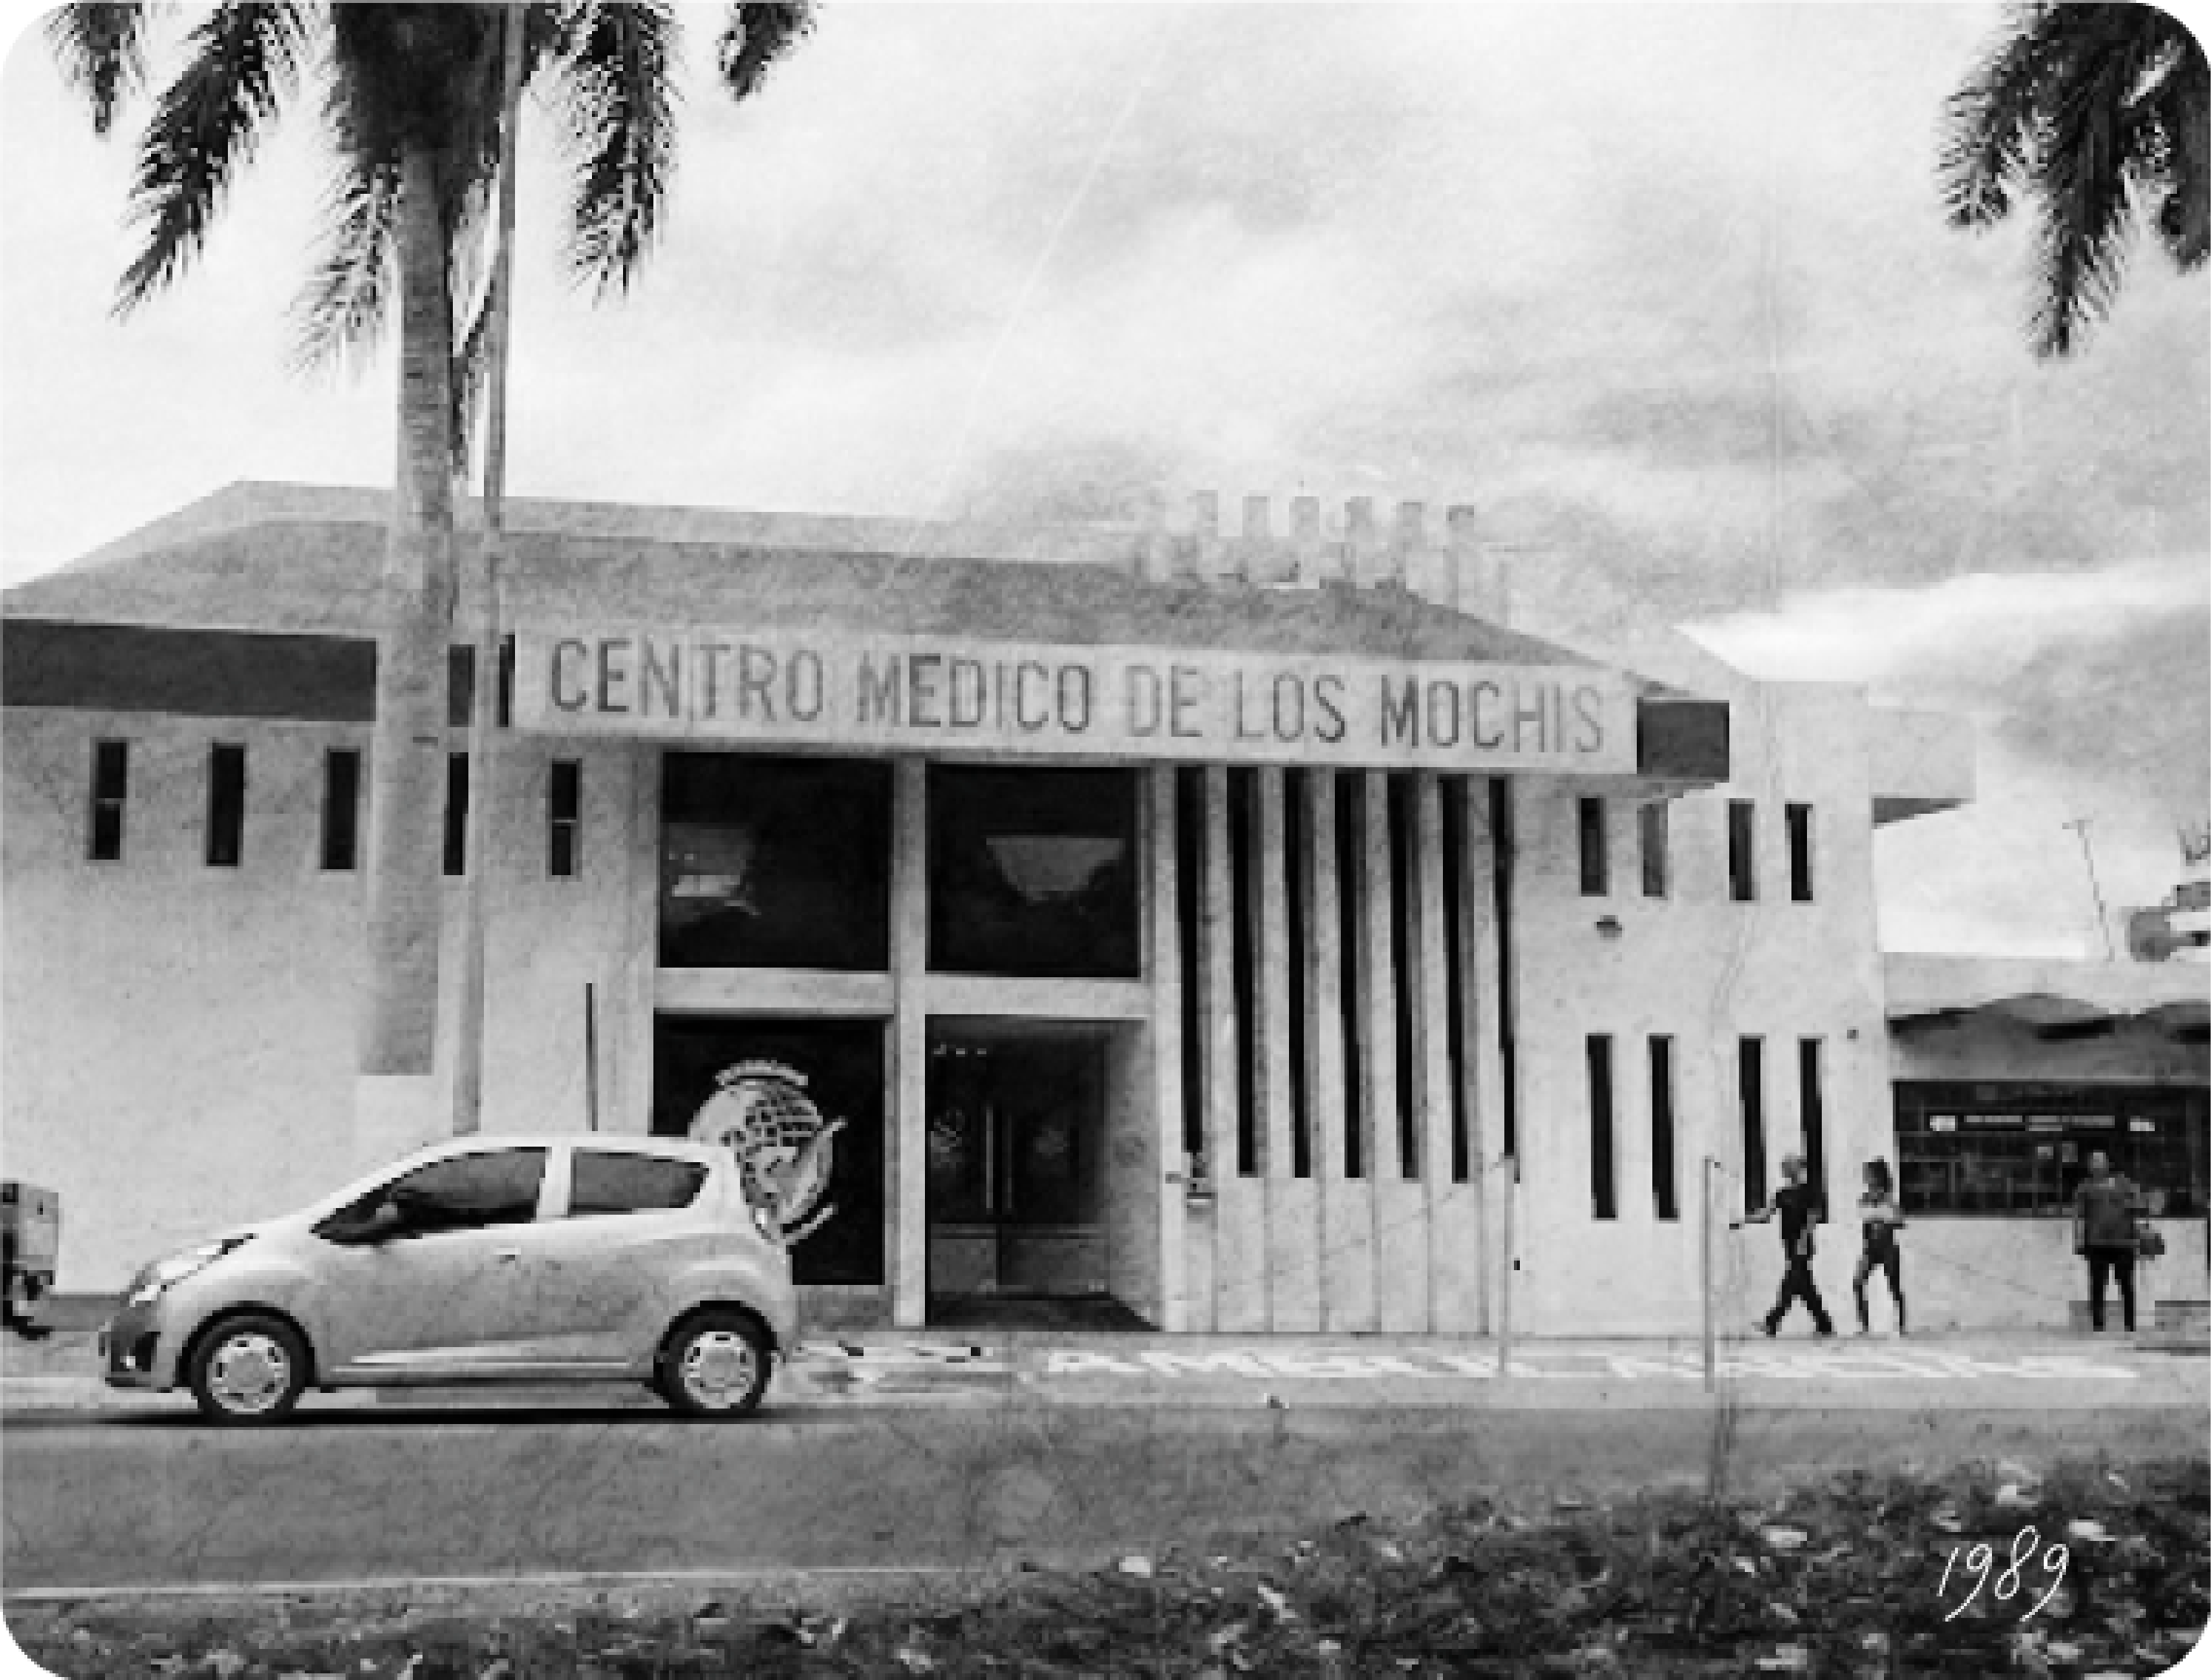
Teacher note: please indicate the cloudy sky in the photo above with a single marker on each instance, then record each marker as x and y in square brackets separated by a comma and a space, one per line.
[1664, 289]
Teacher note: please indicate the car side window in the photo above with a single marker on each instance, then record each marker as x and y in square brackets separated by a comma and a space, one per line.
[608, 1181]
[467, 1192]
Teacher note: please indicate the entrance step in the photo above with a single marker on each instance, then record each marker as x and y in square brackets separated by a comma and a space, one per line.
[1036, 1312]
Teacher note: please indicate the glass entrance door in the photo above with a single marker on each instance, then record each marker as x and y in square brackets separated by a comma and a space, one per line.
[1016, 1117]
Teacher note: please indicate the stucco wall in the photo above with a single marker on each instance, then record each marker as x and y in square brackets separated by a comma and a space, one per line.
[163, 1093]
[1706, 970]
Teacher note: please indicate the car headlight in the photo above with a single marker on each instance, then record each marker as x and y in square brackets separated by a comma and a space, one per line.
[162, 1274]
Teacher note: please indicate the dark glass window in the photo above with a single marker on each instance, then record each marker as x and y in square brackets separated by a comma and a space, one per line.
[462, 1193]
[833, 1067]
[1750, 1081]
[456, 814]
[2021, 1147]
[774, 862]
[226, 812]
[111, 787]
[1604, 1202]
[1742, 857]
[1664, 1192]
[1811, 1105]
[340, 808]
[1596, 871]
[1455, 955]
[1650, 821]
[1244, 903]
[1503, 838]
[1033, 872]
[608, 1182]
[1351, 947]
[1296, 832]
[1403, 910]
[564, 807]
[1190, 900]
[1800, 852]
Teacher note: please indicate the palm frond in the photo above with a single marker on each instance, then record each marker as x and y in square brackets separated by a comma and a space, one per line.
[2180, 106]
[101, 51]
[341, 309]
[1993, 125]
[2086, 178]
[245, 60]
[617, 97]
[755, 37]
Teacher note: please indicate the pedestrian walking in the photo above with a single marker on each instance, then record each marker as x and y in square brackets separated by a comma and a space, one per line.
[1881, 1219]
[1797, 1205]
[2106, 1230]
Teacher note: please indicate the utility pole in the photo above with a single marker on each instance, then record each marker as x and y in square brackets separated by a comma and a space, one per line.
[2079, 826]
[483, 712]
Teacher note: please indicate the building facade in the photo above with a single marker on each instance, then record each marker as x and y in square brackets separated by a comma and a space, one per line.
[1256, 932]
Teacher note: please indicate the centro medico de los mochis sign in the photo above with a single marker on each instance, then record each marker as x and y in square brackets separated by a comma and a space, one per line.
[922, 694]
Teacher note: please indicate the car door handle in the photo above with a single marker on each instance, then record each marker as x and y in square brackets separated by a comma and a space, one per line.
[506, 1254]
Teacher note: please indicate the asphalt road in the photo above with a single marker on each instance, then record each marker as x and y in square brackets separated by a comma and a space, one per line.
[154, 1499]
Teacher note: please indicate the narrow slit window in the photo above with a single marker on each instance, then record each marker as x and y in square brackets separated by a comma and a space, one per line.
[1350, 855]
[342, 808]
[1604, 1202]
[1244, 898]
[1456, 959]
[563, 815]
[1664, 1191]
[1750, 1079]
[1742, 858]
[1811, 1107]
[1596, 871]
[225, 807]
[456, 814]
[1404, 981]
[110, 789]
[1190, 916]
[1800, 853]
[1650, 821]
[1296, 832]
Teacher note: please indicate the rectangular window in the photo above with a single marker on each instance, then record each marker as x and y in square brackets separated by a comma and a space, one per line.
[1456, 956]
[1295, 837]
[1811, 1107]
[110, 787]
[1596, 873]
[1244, 951]
[1189, 916]
[779, 863]
[1800, 852]
[563, 817]
[340, 808]
[1742, 856]
[456, 814]
[605, 1182]
[1033, 872]
[1750, 1079]
[1664, 1193]
[226, 806]
[1351, 948]
[1603, 1201]
[1651, 820]
[1405, 981]
[2016, 1147]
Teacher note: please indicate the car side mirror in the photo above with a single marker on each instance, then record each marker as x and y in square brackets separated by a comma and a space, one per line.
[378, 1223]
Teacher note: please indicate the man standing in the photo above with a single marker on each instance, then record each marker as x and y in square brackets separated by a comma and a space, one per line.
[1798, 1205]
[2105, 1210]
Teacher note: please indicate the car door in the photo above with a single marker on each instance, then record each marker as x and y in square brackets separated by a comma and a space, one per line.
[628, 1226]
[441, 1287]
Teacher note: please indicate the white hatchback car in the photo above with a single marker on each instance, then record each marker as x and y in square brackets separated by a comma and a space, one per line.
[590, 1258]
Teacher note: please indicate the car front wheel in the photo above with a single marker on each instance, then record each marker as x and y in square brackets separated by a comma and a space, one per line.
[248, 1369]
[716, 1365]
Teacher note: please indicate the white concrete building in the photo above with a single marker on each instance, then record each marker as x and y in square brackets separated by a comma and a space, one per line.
[1187, 921]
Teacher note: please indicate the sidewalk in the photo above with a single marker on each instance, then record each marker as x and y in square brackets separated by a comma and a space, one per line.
[1056, 1369]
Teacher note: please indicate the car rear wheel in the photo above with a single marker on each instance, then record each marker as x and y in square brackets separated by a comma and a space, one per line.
[716, 1365]
[248, 1369]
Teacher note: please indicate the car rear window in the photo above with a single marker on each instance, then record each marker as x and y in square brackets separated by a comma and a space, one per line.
[609, 1183]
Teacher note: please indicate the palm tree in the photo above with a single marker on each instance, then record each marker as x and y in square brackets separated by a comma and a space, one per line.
[2102, 115]
[414, 111]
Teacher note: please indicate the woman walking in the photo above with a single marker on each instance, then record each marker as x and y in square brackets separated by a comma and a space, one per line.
[1883, 1219]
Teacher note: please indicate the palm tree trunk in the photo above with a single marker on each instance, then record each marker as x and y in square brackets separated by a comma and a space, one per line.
[395, 1104]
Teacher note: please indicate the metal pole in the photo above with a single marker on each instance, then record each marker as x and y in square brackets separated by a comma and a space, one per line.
[483, 711]
[591, 1058]
[2079, 826]
[1711, 1339]
[1510, 1178]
